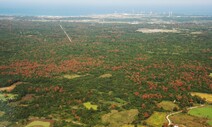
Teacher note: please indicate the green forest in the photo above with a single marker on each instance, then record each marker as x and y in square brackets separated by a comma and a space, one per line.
[108, 75]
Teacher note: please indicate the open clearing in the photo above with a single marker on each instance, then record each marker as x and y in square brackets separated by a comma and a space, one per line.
[90, 106]
[105, 76]
[157, 119]
[119, 119]
[117, 103]
[146, 30]
[197, 32]
[208, 97]
[204, 112]
[71, 76]
[6, 97]
[168, 105]
[5, 123]
[178, 112]
[39, 123]
[189, 121]
[10, 88]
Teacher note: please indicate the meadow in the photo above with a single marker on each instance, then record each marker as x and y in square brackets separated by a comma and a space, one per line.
[205, 112]
[108, 70]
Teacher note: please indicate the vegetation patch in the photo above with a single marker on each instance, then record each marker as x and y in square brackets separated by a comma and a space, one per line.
[196, 32]
[118, 119]
[73, 76]
[209, 122]
[27, 97]
[157, 119]
[105, 76]
[205, 112]
[208, 97]
[120, 100]
[1, 113]
[39, 123]
[4, 123]
[127, 125]
[113, 103]
[117, 103]
[188, 120]
[210, 75]
[90, 106]
[6, 97]
[168, 105]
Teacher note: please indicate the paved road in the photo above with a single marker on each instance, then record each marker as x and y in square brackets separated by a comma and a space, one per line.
[174, 113]
[65, 33]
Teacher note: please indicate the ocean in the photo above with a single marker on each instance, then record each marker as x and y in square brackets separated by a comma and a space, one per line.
[84, 10]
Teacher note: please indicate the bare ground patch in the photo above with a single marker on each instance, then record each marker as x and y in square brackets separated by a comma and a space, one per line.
[146, 30]
[10, 88]
[105, 76]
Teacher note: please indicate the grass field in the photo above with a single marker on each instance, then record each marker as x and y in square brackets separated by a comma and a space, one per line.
[209, 122]
[157, 119]
[71, 76]
[204, 112]
[208, 97]
[119, 119]
[168, 105]
[90, 106]
[6, 97]
[188, 121]
[39, 124]
[195, 118]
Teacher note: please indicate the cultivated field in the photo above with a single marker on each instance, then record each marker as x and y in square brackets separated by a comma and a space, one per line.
[207, 97]
[157, 119]
[168, 105]
[188, 121]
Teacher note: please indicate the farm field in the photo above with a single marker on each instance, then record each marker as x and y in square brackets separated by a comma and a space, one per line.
[189, 121]
[194, 117]
[204, 112]
[157, 119]
[207, 97]
[168, 105]
[62, 73]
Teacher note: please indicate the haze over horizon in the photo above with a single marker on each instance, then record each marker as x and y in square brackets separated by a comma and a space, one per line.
[88, 7]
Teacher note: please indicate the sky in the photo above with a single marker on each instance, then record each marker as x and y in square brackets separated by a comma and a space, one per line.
[104, 6]
[108, 2]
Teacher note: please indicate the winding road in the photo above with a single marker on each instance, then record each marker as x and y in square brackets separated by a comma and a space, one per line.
[174, 113]
[65, 33]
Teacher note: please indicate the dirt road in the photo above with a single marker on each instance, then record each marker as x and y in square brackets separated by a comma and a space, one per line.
[65, 33]
[10, 88]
